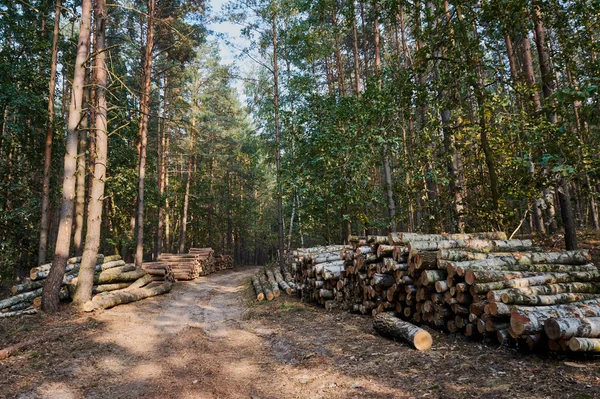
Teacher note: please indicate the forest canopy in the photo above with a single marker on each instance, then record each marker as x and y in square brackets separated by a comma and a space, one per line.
[357, 117]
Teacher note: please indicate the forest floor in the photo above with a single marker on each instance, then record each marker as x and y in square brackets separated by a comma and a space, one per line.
[210, 339]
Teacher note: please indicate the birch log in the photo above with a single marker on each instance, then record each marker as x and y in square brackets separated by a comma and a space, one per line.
[126, 296]
[564, 328]
[389, 325]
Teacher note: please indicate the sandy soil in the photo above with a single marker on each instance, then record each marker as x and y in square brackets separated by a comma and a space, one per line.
[210, 339]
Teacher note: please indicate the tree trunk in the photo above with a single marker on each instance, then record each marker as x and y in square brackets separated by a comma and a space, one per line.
[278, 142]
[83, 292]
[143, 133]
[355, 48]
[186, 198]
[566, 213]
[80, 182]
[50, 297]
[161, 172]
[48, 144]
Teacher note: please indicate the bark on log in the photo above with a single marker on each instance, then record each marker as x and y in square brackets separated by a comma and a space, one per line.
[476, 244]
[111, 275]
[16, 313]
[531, 320]
[273, 282]
[485, 276]
[383, 280]
[550, 289]
[584, 344]
[26, 287]
[258, 289]
[429, 277]
[532, 268]
[282, 283]
[97, 289]
[564, 328]
[11, 350]
[544, 300]
[266, 286]
[391, 326]
[127, 296]
[548, 278]
[24, 297]
[140, 282]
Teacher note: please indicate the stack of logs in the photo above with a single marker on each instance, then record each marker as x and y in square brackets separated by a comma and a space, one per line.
[223, 262]
[269, 282]
[481, 285]
[112, 276]
[198, 262]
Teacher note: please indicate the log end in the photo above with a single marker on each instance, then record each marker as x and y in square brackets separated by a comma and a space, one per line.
[517, 323]
[260, 297]
[552, 329]
[423, 341]
[89, 306]
[270, 296]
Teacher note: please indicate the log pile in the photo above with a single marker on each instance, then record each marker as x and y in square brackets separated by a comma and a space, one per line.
[198, 262]
[481, 285]
[223, 262]
[270, 282]
[112, 275]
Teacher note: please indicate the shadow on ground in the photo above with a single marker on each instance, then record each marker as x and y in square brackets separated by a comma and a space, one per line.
[209, 339]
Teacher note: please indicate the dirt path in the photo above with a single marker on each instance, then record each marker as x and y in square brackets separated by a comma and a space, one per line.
[208, 339]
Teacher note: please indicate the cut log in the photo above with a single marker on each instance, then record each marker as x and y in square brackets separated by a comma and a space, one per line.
[127, 296]
[584, 344]
[462, 268]
[273, 282]
[26, 287]
[564, 328]
[531, 320]
[97, 289]
[425, 259]
[430, 277]
[266, 286]
[383, 280]
[16, 313]
[258, 288]
[24, 297]
[282, 283]
[140, 282]
[475, 244]
[556, 299]
[548, 278]
[11, 350]
[110, 265]
[485, 276]
[389, 325]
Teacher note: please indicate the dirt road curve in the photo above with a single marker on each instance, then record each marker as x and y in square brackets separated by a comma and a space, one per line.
[208, 339]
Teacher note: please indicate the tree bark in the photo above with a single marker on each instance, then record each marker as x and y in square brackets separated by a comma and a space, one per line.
[584, 344]
[126, 296]
[389, 325]
[565, 328]
[278, 142]
[566, 213]
[143, 132]
[83, 292]
[161, 172]
[48, 143]
[50, 296]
